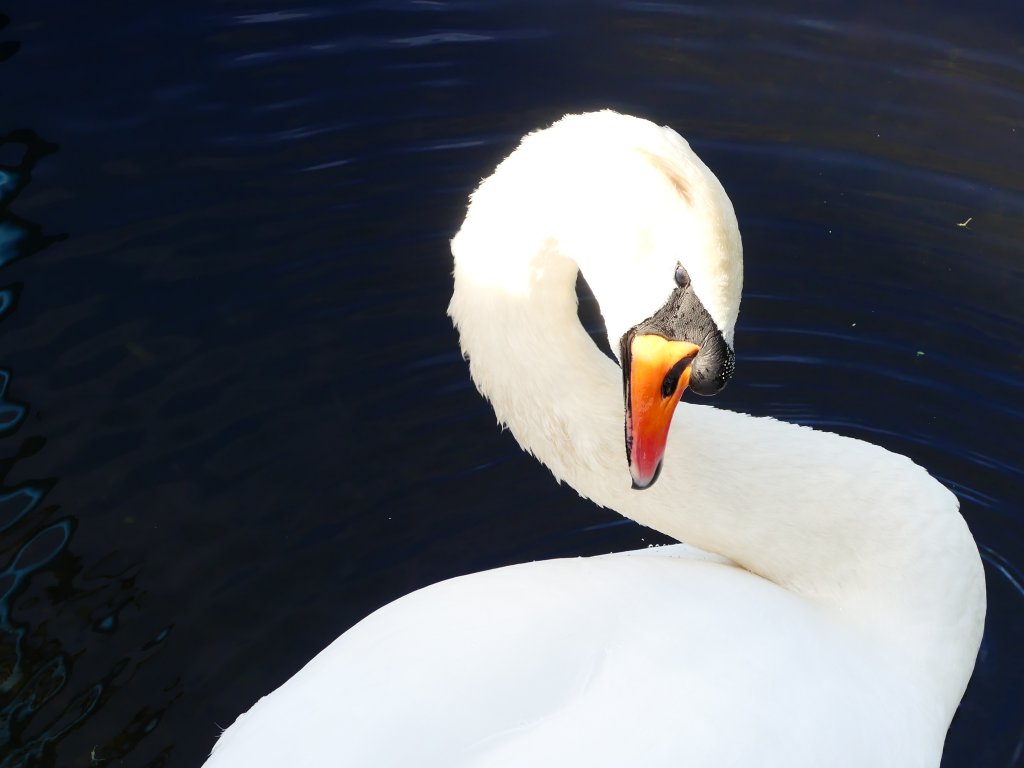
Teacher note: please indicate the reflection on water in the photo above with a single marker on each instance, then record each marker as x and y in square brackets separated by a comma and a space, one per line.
[26, 683]
[234, 416]
[41, 700]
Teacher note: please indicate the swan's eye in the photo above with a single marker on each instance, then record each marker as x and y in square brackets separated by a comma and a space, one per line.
[682, 276]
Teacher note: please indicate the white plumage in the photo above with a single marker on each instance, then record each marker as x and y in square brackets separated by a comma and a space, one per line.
[836, 624]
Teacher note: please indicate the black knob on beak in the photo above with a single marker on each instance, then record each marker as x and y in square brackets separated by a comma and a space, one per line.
[713, 366]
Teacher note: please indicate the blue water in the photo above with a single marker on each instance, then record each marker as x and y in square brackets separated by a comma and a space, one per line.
[233, 415]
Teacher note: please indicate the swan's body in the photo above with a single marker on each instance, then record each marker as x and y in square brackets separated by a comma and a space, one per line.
[837, 625]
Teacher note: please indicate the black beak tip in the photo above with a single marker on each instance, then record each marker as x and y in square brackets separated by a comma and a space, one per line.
[654, 478]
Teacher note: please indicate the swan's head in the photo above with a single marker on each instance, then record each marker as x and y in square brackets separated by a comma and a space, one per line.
[656, 237]
[653, 232]
[678, 347]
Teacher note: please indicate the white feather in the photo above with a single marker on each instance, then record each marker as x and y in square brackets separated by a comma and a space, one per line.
[830, 617]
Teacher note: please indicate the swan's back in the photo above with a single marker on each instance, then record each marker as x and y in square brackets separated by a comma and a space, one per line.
[652, 658]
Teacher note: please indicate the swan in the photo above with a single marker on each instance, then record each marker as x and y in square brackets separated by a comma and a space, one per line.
[826, 608]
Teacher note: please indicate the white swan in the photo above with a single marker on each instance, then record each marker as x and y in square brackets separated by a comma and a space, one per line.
[836, 622]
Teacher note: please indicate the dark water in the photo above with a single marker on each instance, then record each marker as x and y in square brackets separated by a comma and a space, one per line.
[233, 416]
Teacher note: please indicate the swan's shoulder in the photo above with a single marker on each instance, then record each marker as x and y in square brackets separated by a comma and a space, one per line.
[584, 662]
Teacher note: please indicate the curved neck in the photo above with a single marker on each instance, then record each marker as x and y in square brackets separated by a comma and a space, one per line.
[861, 532]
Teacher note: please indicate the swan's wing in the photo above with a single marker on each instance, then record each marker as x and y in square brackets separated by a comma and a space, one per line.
[653, 659]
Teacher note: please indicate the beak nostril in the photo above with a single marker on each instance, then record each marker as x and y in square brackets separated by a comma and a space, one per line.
[673, 377]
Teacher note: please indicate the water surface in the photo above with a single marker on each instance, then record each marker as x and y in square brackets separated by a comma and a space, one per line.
[233, 415]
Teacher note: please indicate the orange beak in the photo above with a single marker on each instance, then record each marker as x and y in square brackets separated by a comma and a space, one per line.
[658, 372]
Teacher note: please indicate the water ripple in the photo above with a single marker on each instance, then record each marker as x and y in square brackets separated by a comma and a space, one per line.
[442, 38]
[842, 158]
[848, 31]
[1010, 572]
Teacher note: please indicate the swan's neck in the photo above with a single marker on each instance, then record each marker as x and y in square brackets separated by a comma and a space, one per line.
[862, 532]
